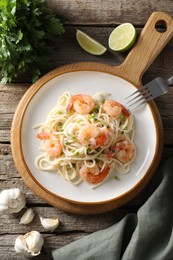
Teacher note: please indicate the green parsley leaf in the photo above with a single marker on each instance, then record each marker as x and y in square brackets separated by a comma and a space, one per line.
[29, 31]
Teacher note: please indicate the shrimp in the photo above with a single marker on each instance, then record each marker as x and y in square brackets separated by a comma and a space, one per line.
[92, 136]
[114, 109]
[82, 104]
[124, 151]
[93, 174]
[52, 144]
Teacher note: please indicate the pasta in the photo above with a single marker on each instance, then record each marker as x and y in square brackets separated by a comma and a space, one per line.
[84, 138]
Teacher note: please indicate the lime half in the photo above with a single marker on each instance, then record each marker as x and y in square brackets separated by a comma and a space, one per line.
[122, 37]
[89, 44]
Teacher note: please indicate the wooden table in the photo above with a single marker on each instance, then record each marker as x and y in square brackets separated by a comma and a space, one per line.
[97, 18]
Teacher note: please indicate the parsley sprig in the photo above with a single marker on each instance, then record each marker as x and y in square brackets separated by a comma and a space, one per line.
[28, 33]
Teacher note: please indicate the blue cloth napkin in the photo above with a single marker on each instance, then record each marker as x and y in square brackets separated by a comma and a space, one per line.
[147, 235]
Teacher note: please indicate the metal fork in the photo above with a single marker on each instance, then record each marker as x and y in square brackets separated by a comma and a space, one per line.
[151, 90]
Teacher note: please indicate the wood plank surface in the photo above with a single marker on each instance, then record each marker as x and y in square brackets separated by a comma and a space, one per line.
[97, 18]
[109, 12]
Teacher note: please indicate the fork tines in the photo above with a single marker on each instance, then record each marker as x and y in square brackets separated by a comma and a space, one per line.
[138, 98]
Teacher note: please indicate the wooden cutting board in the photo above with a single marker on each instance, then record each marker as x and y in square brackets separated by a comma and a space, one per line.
[148, 46]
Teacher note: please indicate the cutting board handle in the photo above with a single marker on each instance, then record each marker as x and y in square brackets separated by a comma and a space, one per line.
[148, 46]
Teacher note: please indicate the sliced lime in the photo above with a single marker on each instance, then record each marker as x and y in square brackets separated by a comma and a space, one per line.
[89, 44]
[122, 37]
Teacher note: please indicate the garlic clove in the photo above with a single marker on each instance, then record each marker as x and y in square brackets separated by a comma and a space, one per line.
[27, 217]
[50, 224]
[34, 242]
[20, 245]
[31, 243]
[12, 201]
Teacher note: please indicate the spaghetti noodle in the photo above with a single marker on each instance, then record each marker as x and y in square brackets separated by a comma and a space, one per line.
[85, 138]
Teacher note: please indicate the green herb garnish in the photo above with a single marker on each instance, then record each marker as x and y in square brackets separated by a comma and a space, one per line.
[116, 178]
[95, 110]
[122, 118]
[88, 150]
[29, 31]
[59, 112]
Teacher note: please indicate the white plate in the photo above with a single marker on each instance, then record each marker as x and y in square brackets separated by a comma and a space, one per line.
[89, 83]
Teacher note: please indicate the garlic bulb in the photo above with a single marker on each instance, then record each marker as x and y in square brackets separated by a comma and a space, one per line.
[50, 224]
[27, 217]
[12, 200]
[30, 243]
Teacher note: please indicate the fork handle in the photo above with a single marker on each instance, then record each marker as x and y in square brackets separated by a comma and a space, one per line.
[170, 80]
[148, 46]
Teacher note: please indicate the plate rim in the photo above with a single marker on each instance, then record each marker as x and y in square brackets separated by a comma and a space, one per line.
[53, 198]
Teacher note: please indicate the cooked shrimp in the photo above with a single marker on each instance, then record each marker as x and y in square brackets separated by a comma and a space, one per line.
[93, 174]
[82, 104]
[90, 135]
[114, 109]
[124, 151]
[52, 144]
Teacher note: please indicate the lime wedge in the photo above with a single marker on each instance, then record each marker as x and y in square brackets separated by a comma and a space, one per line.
[122, 38]
[89, 44]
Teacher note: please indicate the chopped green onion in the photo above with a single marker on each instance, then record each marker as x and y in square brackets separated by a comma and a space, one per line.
[116, 178]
